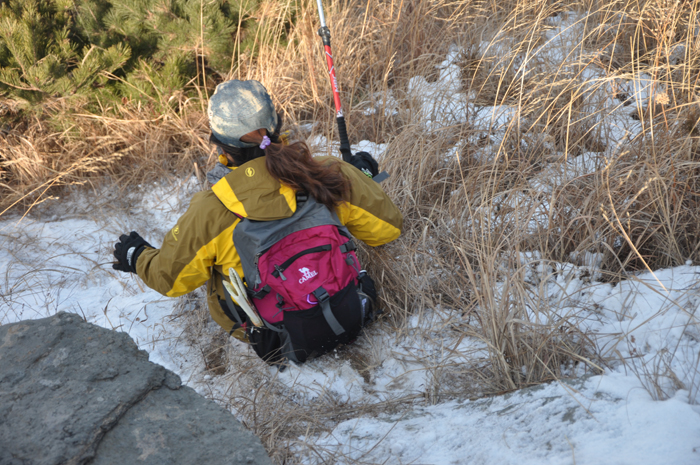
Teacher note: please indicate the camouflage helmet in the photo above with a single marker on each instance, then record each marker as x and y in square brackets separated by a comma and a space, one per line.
[239, 107]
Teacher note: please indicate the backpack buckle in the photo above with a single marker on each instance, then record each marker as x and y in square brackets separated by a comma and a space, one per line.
[262, 292]
[349, 246]
[321, 295]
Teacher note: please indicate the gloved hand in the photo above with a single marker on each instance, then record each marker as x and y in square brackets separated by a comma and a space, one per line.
[127, 251]
[364, 162]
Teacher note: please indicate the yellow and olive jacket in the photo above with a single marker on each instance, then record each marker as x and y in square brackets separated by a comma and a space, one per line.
[202, 239]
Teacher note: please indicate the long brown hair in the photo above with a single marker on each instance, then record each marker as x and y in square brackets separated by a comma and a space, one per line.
[294, 166]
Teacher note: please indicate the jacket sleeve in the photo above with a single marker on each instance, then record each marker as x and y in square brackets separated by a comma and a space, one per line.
[201, 238]
[369, 215]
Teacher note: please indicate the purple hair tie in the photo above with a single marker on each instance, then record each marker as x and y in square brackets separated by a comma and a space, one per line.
[265, 142]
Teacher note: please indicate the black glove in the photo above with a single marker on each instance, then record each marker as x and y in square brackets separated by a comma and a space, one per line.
[364, 162]
[127, 251]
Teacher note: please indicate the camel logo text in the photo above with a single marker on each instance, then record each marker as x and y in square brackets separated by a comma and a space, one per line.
[307, 274]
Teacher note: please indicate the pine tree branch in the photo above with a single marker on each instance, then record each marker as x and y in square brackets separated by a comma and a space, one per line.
[14, 86]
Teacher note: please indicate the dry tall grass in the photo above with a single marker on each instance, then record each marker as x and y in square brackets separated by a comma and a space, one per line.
[125, 146]
[474, 214]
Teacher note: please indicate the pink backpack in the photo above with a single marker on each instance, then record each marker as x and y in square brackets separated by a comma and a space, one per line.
[304, 279]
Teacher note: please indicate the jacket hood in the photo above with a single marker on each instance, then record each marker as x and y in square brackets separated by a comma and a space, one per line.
[251, 192]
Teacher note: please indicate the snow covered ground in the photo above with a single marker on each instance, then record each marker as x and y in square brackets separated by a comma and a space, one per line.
[603, 419]
[643, 408]
[60, 262]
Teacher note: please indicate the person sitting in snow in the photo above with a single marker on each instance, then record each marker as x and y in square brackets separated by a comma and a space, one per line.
[269, 198]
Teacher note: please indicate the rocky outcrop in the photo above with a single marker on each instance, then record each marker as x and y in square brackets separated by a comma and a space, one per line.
[74, 393]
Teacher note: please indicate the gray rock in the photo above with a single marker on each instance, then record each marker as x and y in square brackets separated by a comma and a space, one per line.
[74, 393]
[172, 427]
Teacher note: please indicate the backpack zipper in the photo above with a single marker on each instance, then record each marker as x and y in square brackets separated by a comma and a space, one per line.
[257, 270]
[280, 268]
[279, 273]
[258, 279]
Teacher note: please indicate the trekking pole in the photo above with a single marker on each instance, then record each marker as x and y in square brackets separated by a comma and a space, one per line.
[325, 34]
